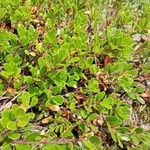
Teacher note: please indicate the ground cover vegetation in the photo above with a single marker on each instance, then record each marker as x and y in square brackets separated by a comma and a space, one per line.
[74, 74]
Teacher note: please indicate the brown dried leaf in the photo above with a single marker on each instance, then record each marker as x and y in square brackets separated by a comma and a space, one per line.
[105, 80]
[34, 9]
[98, 121]
[112, 11]
[41, 30]
[69, 11]
[66, 113]
[80, 96]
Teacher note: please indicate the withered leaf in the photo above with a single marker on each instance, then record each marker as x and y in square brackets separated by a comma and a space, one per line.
[146, 96]
[80, 96]
[107, 59]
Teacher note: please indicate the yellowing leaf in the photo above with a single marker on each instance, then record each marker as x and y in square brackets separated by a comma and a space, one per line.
[33, 54]
[46, 120]
[54, 107]
[11, 90]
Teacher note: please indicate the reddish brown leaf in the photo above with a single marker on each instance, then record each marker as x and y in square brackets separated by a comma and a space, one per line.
[107, 59]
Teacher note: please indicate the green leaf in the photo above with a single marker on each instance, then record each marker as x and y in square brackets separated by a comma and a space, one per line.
[107, 103]
[22, 120]
[22, 147]
[61, 76]
[21, 30]
[6, 146]
[58, 100]
[19, 112]
[135, 138]
[100, 95]
[93, 85]
[31, 115]
[4, 121]
[120, 143]
[32, 136]
[95, 139]
[28, 79]
[25, 99]
[11, 125]
[14, 135]
[33, 102]
[61, 56]
[51, 35]
[73, 60]
[2, 13]
[67, 133]
[112, 132]
[123, 111]
[54, 147]
[88, 62]
[41, 62]
[43, 71]
[114, 120]
[140, 100]
[83, 113]
[89, 145]
[56, 89]
[139, 130]
[94, 69]
[92, 117]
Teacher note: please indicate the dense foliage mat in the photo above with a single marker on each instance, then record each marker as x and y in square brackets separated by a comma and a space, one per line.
[74, 74]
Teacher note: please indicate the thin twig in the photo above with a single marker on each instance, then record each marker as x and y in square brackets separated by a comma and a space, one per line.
[3, 133]
[4, 93]
[9, 104]
[57, 141]
[3, 98]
